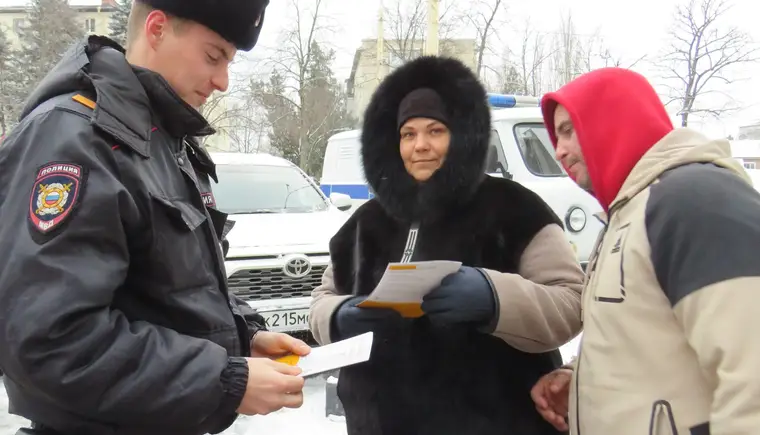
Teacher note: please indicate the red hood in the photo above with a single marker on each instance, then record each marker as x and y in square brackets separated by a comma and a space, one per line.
[617, 117]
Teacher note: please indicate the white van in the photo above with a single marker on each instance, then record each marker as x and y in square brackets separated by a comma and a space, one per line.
[520, 150]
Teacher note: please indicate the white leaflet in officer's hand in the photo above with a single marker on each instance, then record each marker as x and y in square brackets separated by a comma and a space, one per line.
[333, 356]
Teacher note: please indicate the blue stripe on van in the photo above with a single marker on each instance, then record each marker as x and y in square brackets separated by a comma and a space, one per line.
[355, 191]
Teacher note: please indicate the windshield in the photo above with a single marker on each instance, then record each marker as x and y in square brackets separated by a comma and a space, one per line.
[265, 189]
[537, 150]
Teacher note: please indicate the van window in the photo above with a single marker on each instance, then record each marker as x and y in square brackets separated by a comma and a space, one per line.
[246, 189]
[496, 162]
[537, 150]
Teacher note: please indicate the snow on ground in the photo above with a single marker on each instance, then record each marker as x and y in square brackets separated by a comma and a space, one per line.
[310, 418]
[570, 349]
[9, 424]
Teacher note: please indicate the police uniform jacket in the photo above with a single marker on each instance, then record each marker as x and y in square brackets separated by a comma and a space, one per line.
[115, 317]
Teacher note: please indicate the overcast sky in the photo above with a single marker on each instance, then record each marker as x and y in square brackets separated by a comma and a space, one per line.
[630, 28]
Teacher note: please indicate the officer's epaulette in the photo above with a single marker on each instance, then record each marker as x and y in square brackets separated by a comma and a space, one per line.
[81, 99]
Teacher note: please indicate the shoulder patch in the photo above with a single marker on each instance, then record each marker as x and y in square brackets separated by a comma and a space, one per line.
[54, 195]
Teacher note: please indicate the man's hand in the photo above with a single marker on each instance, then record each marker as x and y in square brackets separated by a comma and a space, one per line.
[551, 394]
[271, 387]
[276, 344]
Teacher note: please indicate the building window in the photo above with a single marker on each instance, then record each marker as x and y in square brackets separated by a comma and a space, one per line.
[89, 25]
[18, 25]
[750, 165]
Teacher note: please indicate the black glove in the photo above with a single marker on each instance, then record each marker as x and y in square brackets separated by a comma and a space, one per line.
[465, 296]
[349, 320]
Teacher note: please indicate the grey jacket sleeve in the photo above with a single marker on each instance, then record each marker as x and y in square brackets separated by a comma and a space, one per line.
[703, 225]
[59, 336]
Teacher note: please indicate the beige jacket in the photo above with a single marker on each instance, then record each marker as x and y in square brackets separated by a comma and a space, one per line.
[671, 307]
[540, 306]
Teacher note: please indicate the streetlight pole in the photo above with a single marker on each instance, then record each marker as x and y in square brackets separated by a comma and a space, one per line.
[380, 48]
[431, 44]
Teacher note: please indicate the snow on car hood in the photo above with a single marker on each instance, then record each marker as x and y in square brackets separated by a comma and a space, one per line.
[284, 229]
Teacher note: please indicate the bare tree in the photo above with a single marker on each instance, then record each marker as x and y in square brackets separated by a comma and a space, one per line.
[483, 18]
[293, 59]
[303, 90]
[222, 110]
[702, 53]
[248, 132]
[570, 54]
[405, 24]
[405, 29]
[610, 59]
[534, 55]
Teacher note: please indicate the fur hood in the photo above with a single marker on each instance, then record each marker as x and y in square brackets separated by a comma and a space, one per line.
[469, 115]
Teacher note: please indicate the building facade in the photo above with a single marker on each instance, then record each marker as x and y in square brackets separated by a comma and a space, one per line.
[750, 132]
[373, 60]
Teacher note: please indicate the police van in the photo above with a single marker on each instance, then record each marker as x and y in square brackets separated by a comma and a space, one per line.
[520, 150]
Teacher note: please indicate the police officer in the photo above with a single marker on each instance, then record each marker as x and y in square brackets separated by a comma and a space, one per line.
[115, 316]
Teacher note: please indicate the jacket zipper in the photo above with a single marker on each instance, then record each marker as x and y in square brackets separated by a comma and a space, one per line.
[411, 243]
[592, 270]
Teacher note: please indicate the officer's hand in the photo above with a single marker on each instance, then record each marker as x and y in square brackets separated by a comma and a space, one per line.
[465, 296]
[276, 344]
[271, 387]
[551, 394]
[350, 320]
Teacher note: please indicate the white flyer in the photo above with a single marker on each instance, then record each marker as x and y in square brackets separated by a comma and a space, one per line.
[404, 285]
[333, 356]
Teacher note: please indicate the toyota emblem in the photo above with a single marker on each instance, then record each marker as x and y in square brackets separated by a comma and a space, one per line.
[297, 266]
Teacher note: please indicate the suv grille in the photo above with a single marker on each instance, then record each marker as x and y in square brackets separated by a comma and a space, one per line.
[271, 283]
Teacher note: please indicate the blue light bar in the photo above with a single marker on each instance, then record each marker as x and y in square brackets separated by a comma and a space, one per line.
[504, 101]
[501, 100]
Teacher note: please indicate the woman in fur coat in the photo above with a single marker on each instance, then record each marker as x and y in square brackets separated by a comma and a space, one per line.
[490, 330]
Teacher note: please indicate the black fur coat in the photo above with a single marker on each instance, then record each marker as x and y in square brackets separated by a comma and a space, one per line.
[421, 379]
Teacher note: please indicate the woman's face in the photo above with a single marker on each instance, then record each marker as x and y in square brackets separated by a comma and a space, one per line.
[424, 145]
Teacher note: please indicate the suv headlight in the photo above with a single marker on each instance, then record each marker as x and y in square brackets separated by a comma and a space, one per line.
[575, 219]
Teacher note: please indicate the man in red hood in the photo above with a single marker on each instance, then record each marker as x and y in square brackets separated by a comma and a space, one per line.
[672, 301]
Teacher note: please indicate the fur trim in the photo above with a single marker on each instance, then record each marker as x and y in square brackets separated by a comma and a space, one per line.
[470, 125]
[233, 20]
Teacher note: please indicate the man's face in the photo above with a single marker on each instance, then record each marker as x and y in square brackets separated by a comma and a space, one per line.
[569, 149]
[192, 58]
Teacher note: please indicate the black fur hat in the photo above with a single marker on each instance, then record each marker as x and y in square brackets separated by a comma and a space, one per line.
[238, 21]
[468, 119]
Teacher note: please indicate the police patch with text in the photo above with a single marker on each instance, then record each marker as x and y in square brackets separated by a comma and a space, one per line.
[208, 199]
[54, 195]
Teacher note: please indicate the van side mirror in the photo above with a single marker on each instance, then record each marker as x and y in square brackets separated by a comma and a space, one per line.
[342, 201]
[500, 173]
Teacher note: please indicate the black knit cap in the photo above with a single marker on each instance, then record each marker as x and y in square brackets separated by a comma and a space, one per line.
[237, 21]
[422, 103]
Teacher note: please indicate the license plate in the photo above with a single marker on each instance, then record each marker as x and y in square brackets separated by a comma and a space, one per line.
[287, 320]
